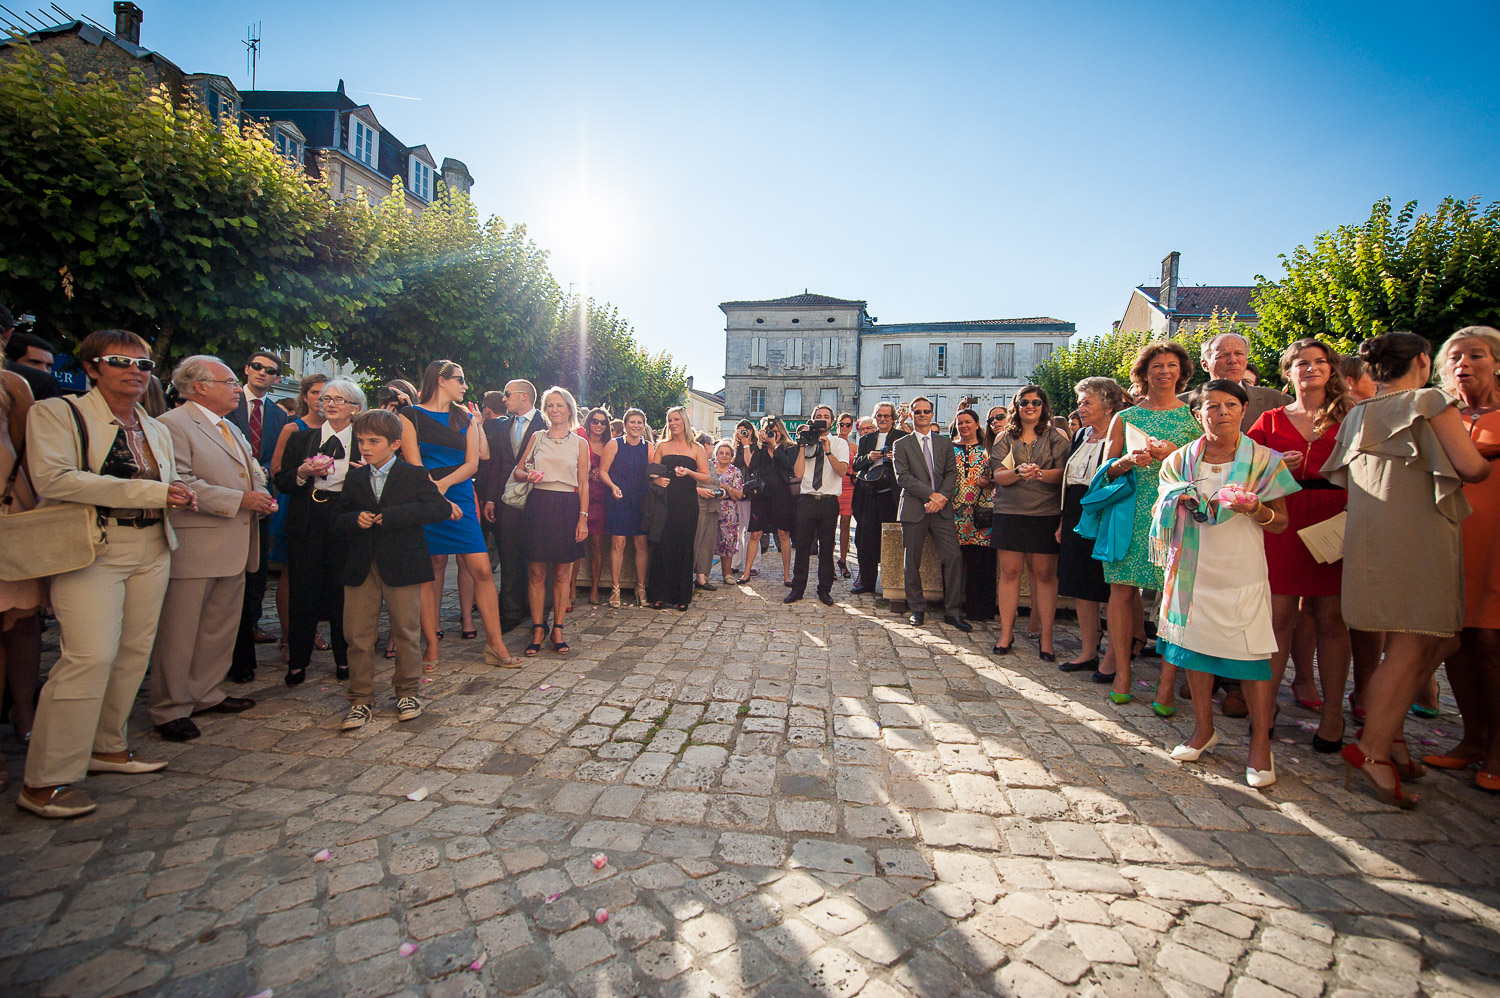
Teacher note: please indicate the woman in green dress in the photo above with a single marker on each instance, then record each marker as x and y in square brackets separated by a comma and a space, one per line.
[1160, 423]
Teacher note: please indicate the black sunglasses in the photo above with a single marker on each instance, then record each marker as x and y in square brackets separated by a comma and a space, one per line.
[256, 365]
[1028, 403]
[456, 377]
[921, 412]
[121, 361]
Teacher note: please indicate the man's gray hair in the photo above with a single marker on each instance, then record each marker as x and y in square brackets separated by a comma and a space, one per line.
[195, 369]
[1207, 350]
[346, 389]
[875, 412]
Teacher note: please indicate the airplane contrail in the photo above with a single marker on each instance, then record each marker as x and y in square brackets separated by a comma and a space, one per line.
[376, 93]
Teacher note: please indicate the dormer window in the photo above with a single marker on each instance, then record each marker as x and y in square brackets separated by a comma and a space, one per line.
[287, 146]
[421, 179]
[362, 142]
[217, 103]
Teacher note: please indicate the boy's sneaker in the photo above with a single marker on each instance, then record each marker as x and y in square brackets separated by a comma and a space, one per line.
[408, 709]
[359, 715]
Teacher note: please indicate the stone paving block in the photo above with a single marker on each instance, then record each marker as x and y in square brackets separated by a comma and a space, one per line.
[1192, 966]
[1282, 973]
[975, 831]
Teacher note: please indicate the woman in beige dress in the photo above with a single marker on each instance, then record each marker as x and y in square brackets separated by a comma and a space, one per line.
[20, 630]
[1404, 456]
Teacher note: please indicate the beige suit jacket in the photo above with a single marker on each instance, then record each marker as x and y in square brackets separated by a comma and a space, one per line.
[220, 539]
[52, 458]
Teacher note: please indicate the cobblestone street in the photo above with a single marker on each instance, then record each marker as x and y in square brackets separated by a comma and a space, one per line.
[791, 801]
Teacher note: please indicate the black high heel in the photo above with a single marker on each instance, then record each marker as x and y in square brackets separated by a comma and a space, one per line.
[1327, 746]
[296, 677]
[561, 647]
[1092, 663]
[1000, 649]
[341, 672]
[532, 649]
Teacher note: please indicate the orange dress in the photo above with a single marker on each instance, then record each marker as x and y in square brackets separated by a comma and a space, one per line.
[1481, 531]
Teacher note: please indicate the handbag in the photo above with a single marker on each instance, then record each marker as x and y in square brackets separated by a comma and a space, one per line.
[49, 540]
[982, 517]
[754, 486]
[516, 492]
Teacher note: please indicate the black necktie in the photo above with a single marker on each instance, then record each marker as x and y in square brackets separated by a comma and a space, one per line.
[818, 470]
[333, 447]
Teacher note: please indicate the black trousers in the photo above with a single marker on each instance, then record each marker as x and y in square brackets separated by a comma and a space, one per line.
[315, 570]
[242, 665]
[510, 535]
[817, 519]
[877, 509]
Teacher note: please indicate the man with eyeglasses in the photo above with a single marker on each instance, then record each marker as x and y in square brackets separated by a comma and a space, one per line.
[508, 438]
[874, 500]
[927, 472]
[218, 547]
[261, 421]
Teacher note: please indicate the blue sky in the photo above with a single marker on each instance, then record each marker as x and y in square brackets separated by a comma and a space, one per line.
[940, 160]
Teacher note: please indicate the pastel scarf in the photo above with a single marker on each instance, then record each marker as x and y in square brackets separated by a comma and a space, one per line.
[1175, 535]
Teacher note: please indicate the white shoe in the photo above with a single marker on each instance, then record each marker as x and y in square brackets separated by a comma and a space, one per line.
[1261, 778]
[359, 715]
[1186, 753]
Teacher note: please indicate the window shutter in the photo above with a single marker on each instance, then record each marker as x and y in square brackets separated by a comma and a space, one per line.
[1005, 360]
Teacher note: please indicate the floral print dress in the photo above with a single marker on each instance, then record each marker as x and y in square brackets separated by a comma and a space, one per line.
[973, 463]
[729, 514]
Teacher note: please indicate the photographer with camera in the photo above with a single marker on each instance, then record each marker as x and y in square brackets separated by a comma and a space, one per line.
[822, 459]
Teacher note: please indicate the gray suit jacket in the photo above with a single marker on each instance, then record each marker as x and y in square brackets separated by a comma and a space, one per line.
[220, 539]
[911, 475]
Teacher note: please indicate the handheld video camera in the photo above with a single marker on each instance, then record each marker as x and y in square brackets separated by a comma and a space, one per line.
[812, 432]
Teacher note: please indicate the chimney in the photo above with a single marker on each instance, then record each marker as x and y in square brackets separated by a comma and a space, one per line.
[690, 382]
[128, 18]
[1168, 296]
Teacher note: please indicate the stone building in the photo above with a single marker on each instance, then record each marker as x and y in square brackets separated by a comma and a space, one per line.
[783, 356]
[983, 360]
[705, 410]
[1170, 307]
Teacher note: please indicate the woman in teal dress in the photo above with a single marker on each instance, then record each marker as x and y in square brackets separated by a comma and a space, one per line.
[1160, 423]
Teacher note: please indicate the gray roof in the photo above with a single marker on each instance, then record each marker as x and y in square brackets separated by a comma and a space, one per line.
[804, 299]
[1195, 300]
[1032, 324]
[93, 35]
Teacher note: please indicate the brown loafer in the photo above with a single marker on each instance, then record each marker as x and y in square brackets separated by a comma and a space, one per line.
[1234, 704]
[55, 802]
[129, 764]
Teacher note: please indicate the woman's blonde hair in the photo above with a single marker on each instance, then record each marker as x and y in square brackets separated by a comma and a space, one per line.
[567, 397]
[1336, 398]
[1489, 334]
[687, 426]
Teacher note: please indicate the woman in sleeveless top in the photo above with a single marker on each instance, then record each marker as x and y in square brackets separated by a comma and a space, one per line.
[596, 431]
[622, 472]
[556, 462]
[444, 438]
[671, 577]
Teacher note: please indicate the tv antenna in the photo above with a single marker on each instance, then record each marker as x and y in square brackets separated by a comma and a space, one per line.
[252, 50]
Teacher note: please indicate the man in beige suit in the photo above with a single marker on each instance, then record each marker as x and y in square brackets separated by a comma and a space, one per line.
[216, 545]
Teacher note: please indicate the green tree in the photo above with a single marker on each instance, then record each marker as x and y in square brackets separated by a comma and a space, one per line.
[594, 355]
[1428, 274]
[140, 214]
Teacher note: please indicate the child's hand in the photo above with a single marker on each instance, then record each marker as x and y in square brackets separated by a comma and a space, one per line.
[368, 519]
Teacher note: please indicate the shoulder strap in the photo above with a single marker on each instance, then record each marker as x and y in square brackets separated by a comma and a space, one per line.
[10, 482]
[83, 434]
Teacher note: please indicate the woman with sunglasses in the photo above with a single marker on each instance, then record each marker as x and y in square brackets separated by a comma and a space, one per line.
[1026, 463]
[107, 610]
[772, 509]
[845, 430]
[1220, 495]
[443, 435]
[595, 430]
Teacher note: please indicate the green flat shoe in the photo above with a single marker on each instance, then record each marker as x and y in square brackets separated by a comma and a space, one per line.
[1119, 697]
[1161, 711]
[1427, 712]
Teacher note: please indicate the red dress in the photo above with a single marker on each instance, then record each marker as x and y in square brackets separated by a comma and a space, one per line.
[1292, 569]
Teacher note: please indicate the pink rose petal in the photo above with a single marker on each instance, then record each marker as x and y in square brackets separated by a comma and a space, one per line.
[551, 897]
[599, 860]
[407, 949]
[479, 964]
[322, 855]
[419, 794]
[601, 916]
[545, 686]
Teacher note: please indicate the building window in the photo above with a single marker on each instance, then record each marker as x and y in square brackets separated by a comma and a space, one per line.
[1040, 352]
[795, 350]
[937, 360]
[973, 360]
[757, 351]
[890, 366]
[830, 398]
[421, 180]
[791, 402]
[363, 142]
[830, 351]
[1005, 360]
[757, 401]
[288, 147]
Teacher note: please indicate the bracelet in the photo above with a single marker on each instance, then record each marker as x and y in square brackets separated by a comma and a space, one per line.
[1264, 523]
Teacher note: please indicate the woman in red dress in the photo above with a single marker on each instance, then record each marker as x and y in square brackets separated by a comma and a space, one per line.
[1304, 431]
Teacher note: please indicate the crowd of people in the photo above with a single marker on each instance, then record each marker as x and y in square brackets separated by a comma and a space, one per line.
[1349, 529]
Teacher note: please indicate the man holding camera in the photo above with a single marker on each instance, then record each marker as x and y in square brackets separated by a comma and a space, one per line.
[822, 459]
[874, 502]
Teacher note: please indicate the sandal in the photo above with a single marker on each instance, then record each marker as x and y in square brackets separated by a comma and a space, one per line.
[430, 666]
[468, 635]
[1355, 760]
[561, 647]
[640, 595]
[532, 649]
[1307, 703]
[614, 597]
[390, 649]
[506, 661]
[1408, 769]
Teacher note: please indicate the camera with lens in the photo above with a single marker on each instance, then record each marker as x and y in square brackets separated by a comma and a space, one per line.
[812, 432]
[387, 396]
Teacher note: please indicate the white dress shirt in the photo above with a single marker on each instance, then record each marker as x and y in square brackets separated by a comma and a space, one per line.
[378, 476]
[833, 484]
[518, 429]
[334, 480]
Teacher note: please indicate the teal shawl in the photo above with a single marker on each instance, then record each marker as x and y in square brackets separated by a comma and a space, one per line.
[1175, 535]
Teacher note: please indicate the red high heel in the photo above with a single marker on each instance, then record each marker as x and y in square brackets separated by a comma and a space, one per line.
[1355, 760]
[1408, 769]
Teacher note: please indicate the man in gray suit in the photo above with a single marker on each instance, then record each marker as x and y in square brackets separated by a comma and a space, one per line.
[927, 473]
[218, 542]
[1227, 357]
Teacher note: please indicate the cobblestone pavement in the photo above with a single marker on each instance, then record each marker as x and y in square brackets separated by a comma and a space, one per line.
[792, 801]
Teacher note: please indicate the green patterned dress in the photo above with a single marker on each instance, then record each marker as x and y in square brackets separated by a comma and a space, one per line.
[1176, 426]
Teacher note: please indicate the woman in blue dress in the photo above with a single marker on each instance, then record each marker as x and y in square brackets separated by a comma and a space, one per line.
[623, 472]
[445, 438]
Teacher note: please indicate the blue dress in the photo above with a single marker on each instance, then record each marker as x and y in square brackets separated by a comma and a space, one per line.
[277, 523]
[622, 517]
[443, 448]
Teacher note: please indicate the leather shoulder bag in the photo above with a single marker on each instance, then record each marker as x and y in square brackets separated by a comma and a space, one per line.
[49, 540]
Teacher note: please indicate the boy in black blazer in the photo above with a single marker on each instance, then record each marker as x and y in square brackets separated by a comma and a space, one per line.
[383, 507]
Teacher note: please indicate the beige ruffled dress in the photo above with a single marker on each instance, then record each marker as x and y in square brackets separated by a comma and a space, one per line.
[1403, 548]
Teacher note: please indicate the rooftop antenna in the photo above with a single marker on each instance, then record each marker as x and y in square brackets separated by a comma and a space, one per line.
[252, 50]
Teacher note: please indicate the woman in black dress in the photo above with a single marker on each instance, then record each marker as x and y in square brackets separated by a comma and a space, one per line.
[670, 577]
[771, 509]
